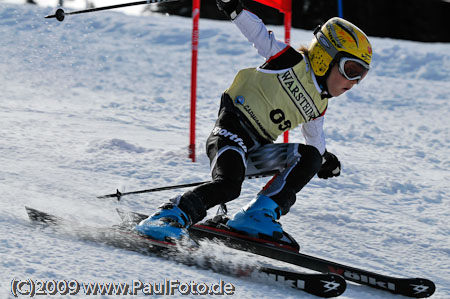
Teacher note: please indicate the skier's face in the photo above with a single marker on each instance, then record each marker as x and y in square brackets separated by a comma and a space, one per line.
[337, 83]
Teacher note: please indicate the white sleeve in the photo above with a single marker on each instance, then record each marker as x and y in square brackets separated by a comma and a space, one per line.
[314, 135]
[256, 32]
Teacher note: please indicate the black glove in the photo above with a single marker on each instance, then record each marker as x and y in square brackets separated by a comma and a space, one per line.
[330, 166]
[231, 8]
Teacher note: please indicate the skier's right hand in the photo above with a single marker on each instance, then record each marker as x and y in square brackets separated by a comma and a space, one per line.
[231, 8]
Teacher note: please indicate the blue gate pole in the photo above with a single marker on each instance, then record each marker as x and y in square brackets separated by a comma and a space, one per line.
[340, 9]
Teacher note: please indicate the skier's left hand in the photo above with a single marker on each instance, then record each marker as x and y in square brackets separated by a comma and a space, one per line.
[231, 8]
[330, 166]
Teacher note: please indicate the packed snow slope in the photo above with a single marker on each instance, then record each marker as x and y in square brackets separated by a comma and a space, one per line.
[101, 101]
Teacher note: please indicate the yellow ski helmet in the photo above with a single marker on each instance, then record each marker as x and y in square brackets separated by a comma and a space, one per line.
[335, 39]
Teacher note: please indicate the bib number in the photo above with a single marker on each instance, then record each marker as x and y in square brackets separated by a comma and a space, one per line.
[278, 117]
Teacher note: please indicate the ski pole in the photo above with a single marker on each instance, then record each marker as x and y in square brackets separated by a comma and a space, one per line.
[60, 14]
[119, 194]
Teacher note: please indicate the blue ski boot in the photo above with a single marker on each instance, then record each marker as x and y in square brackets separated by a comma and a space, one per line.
[258, 218]
[170, 223]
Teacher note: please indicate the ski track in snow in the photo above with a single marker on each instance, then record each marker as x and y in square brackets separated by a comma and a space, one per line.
[101, 101]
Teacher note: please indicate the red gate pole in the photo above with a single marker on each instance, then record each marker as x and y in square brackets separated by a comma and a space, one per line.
[195, 35]
[287, 40]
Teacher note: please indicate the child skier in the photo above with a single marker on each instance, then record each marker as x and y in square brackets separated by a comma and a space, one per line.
[291, 88]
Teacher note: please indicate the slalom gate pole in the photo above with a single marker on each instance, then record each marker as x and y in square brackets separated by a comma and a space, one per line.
[60, 14]
[119, 194]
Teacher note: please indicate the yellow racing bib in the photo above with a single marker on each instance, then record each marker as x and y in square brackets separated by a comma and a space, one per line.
[277, 101]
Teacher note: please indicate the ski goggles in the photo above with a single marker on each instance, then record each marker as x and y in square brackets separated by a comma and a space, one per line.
[353, 69]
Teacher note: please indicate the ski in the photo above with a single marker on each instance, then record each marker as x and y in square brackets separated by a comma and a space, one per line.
[217, 230]
[324, 285]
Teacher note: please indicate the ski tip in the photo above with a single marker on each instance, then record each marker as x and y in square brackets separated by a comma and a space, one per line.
[332, 285]
[31, 212]
[39, 216]
[418, 288]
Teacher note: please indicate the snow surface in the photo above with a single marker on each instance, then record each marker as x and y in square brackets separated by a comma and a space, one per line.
[101, 101]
